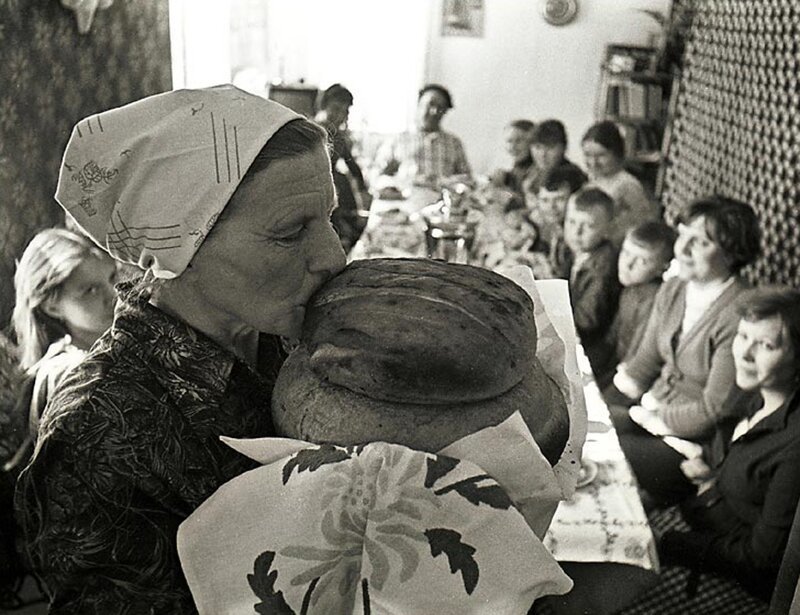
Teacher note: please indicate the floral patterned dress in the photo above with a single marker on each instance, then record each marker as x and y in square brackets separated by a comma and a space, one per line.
[128, 447]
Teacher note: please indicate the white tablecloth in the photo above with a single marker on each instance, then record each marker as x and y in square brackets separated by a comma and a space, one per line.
[604, 521]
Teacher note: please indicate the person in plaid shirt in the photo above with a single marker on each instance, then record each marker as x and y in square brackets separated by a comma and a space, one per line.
[429, 156]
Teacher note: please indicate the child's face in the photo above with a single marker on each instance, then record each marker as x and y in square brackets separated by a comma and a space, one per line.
[584, 229]
[547, 156]
[86, 302]
[600, 162]
[518, 144]
[553, 202]
[639, 263]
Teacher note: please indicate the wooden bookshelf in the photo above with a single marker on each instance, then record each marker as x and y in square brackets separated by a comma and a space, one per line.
[635, 98]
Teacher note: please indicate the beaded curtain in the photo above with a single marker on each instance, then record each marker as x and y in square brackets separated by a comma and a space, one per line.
[736, 128]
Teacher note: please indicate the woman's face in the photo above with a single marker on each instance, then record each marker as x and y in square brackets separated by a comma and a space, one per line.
[599, 161]
[763, 355]
[547, 157]
[701, 259]
[272, 247]
[85, 303]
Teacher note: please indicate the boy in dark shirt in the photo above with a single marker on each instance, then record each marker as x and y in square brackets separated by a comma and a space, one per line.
[547, 208]
[589, 261]
[644, 257]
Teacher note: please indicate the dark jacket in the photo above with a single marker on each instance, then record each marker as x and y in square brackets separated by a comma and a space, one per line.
[128, 447]
[741, 525]
[594, 292]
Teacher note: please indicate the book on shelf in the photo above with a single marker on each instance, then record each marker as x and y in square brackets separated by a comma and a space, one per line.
[637, 101]
[654, 101]
[633, 100]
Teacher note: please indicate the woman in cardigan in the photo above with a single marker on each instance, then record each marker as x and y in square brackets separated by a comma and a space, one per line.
[604, 154]
[683, 371]
[737, 524]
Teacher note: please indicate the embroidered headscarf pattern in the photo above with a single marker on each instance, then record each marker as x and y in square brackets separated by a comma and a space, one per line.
[148, 180]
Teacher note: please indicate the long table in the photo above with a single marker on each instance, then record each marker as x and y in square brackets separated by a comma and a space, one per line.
[601, 535]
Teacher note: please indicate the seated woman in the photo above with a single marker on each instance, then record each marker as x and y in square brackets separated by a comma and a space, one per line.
[684, 362]
[604, 155]
[740, 518]
[235, 236]
[334, 109]
[64, 301]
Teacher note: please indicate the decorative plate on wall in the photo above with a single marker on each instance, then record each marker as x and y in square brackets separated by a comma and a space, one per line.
[559, 12]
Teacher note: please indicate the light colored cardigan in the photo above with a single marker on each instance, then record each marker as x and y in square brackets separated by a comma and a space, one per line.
[693, 380]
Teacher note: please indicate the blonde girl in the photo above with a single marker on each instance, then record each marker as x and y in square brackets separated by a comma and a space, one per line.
[64, 287]
[64, 301]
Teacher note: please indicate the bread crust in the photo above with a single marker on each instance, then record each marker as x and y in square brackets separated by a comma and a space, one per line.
[421, 331]
[308, 407]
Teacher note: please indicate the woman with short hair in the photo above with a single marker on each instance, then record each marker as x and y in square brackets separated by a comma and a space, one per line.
[683, 370]
[604, 156]
[736, 526]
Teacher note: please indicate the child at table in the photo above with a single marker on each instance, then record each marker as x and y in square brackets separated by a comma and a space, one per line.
[518, 145]
[549, 144]
[547, 208]
[588, 260]
[646, 252]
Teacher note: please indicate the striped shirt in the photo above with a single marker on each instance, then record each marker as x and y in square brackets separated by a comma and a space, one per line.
[428, 157]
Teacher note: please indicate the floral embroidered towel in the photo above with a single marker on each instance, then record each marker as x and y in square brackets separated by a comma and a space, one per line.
[375, 529]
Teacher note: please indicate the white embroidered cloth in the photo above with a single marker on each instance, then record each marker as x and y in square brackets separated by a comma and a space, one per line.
[384, 529]
[148, 180]
[378, 529]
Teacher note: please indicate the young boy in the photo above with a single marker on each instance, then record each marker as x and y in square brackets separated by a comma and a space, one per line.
[644, 257]
[546, 210]
[588, 260]
[518, 146]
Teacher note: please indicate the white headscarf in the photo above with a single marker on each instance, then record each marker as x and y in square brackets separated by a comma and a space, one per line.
[148, 180]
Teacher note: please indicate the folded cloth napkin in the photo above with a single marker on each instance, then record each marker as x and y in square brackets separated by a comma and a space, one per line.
[378, 528]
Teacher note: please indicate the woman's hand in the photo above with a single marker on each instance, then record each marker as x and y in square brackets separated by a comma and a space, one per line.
[696, 470]
[627, 385]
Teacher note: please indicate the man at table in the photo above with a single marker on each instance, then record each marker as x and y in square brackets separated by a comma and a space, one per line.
[427, 156]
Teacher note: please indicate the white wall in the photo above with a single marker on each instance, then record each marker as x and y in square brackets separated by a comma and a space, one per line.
[524, 67]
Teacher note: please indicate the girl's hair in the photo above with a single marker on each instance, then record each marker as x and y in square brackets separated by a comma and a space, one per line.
[48, 260]
[767, 301]
[608, 135]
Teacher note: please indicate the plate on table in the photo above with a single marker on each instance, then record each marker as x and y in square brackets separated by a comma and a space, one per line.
[587, 474]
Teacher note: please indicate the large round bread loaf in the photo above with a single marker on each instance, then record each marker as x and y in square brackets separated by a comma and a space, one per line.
[307, 407]
[421, 331]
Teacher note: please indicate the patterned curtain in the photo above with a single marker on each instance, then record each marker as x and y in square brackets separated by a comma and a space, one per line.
[50, 77]
[736, 129]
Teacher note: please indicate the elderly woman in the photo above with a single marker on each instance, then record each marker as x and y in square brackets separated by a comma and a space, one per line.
[738, 523]
[225, 200]
[684, 362]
